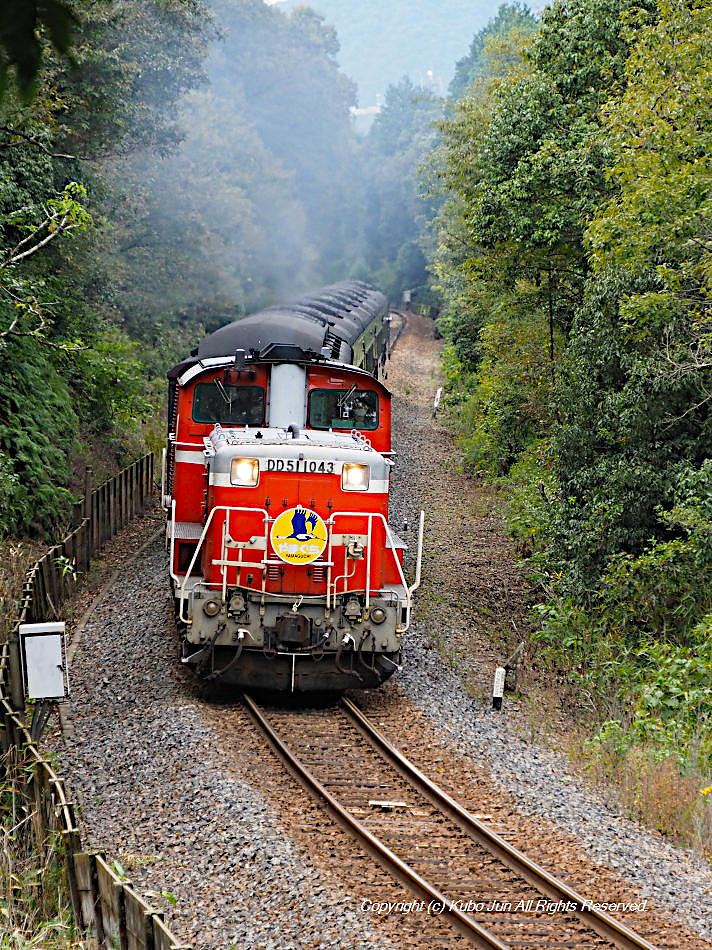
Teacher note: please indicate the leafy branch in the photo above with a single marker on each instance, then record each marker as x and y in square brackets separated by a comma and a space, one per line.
[31, 140]
[62, 214]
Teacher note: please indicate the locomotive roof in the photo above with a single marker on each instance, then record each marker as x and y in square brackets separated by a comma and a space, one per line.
[310, 322]
[189, 369]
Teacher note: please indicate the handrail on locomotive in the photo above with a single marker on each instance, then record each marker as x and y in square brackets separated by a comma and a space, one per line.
[228, 542]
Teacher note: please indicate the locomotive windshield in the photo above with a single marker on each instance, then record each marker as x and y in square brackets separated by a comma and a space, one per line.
[229, 405]
[343, 409]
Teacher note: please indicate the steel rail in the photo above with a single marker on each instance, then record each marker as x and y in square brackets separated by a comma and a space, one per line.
[465, 925]
[597, 920]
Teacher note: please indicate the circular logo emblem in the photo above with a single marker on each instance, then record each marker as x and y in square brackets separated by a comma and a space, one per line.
[298, 535]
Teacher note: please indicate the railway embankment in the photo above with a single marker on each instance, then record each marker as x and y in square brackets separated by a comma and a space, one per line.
[472, 611]
[189, 798]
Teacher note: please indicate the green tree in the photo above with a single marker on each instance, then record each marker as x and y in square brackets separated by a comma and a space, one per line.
[524, 154]
[68, 373]
[510, 17]
[395, 211]
[638, 379]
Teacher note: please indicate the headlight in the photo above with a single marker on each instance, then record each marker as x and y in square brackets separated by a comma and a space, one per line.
[245, 472]
[354, 477]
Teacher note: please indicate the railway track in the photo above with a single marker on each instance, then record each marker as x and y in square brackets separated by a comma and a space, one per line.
[456, 867]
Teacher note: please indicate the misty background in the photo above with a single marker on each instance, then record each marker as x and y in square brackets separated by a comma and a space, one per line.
[382, 42]
[214, 166]
[275, 187]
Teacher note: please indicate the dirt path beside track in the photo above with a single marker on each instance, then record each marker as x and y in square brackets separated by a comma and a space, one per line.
[474, 598]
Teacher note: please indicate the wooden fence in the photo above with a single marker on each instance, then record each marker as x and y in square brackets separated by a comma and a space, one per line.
[103, 512]
[106, 908]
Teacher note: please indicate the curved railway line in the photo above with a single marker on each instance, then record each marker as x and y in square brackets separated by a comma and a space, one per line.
[490, 893]
[188, 797]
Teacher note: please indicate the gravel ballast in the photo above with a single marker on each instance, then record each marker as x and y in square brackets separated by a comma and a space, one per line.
[157, 796]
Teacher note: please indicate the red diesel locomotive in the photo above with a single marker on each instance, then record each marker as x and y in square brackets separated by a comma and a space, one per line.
[285, 570]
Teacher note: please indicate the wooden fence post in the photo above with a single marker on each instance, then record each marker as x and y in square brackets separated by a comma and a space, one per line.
[88, 489]
[133, 491]
[121, 491]
[144, 479]
[94, 522]
[103, 514]
[130, 492]
[84, 543]
[129, 495]
[72, 845]
[48, 600]
[17, 692]
[100, 515]
[87, 894]
[98, 903]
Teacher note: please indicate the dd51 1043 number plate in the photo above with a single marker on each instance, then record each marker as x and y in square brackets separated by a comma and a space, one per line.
[306, 466]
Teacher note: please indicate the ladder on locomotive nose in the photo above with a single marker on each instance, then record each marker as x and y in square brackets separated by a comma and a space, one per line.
[229, 543]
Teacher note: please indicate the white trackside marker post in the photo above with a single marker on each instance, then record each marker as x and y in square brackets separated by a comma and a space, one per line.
[498, 690]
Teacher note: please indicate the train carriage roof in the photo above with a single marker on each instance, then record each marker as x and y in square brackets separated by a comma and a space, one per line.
[311, 322]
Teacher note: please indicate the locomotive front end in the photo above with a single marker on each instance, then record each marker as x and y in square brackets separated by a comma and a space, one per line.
[285, 571]
[297, 580]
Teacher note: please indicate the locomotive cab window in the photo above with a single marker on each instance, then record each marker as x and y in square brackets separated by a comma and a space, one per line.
[229, 405]
[343, 409]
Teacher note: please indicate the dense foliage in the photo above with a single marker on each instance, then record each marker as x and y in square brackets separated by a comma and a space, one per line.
[67, 371]
[511, 18]
[573, 260]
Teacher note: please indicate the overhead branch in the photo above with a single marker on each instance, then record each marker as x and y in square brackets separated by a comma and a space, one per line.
[62, 214]
[57, 223]
[31, 140]
[30, 306]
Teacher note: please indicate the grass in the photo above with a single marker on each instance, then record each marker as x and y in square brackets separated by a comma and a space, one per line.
[134, 862]
[16, 558]
[662, 794]
[35, 909]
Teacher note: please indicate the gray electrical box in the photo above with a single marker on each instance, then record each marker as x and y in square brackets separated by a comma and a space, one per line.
[44, 664]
